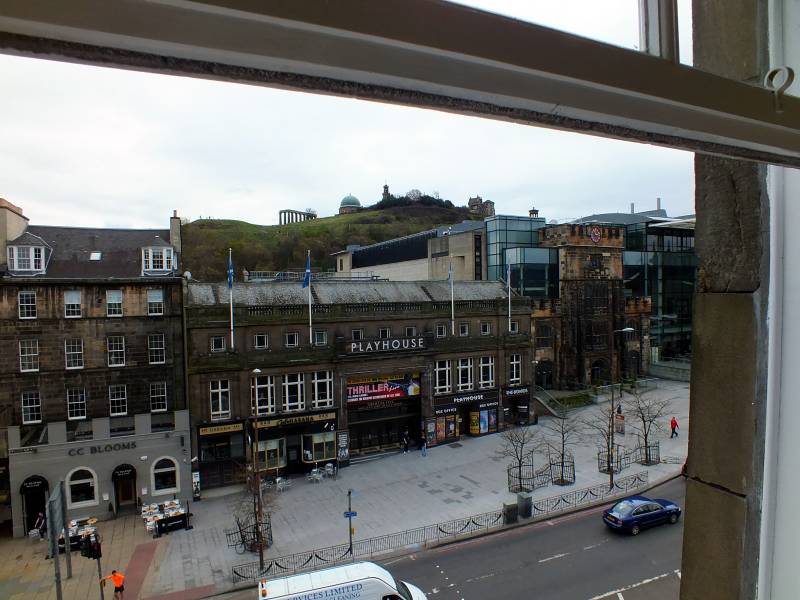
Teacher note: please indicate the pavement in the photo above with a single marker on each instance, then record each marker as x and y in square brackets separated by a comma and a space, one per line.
[391, 493]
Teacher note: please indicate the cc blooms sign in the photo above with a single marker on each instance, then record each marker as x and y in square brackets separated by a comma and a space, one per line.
[390, 345]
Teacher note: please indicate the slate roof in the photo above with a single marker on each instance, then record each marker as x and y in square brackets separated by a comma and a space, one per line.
[121, 256]
[623, 218]
[341, 292]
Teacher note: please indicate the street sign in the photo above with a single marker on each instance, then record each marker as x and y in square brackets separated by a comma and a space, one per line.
[350, 513]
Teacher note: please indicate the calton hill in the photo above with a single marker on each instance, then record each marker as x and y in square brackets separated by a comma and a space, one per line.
[284, 247]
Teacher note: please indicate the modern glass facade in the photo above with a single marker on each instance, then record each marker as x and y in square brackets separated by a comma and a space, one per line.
[534, 271]
[503, 232]
[660, 262]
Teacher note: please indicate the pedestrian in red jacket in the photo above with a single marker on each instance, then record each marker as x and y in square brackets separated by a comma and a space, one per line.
[674, 426]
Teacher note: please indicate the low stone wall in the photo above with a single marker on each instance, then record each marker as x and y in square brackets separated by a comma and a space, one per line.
[674, 371]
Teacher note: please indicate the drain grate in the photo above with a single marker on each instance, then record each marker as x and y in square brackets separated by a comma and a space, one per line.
[455, 445]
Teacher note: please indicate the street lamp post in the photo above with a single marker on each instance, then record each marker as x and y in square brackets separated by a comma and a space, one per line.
[612, 417]
[257, 477]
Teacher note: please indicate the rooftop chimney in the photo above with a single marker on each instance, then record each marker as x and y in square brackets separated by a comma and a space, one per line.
[175, 231]
[658, 203]
[632, 211]
[12, 225]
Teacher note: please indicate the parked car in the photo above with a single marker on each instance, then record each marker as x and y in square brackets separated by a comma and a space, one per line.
[638, 512]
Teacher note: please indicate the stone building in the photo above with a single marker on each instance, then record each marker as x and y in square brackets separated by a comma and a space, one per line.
[349, 204]
[479, 206]
[383, 359]
[91, 367]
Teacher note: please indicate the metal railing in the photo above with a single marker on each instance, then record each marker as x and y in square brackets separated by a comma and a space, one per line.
[550, 401]
[428, 534]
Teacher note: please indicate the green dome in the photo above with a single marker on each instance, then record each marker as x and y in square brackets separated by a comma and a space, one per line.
[350, 201]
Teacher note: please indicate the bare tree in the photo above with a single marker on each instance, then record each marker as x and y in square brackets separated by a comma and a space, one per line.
[645, 412]
[414, 195]
[559, 434]
[311, 211]
[601, 427]
[517, 443]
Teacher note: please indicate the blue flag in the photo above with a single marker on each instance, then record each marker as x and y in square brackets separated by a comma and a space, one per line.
[307, 276]
[230, 270]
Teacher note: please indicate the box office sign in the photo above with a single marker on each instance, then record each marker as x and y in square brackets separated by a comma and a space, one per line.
[382, 387]
[298, 420]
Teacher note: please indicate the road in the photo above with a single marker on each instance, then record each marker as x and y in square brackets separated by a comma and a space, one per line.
[573, 557]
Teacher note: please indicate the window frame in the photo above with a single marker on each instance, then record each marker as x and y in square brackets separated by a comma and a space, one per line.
[327, 382]
[155, 303]
[465, 365]
[35, 254]
[153, 397]
[92, 484]
[544, 336]
[413, 329]
[441, 327]
[514, 328]
[117, 387]
[384, 333]
[115, 352]
[515, 366]
[324, 334]
[32, 356]
[463, 329]
[220, 346]
[73, 353]
[71, 403]
[223, 396]
[486, 362]
[152, 348]
[296, 335]
[26, 408]
[265, 345]
[300, 385]
[270, 396]
[70, 305]
[486, 328]
[445, 369]
[114, 314]
[156, 491]
[357, 335]
[30, 313]
[326, 439]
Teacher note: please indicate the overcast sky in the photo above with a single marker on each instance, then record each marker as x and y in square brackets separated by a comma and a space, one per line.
[97, 147]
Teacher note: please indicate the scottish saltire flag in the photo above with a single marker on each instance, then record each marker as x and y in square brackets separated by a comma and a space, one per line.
[307, 276]
[230, 270]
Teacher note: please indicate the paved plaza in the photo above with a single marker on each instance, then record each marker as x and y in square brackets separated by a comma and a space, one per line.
[391, 493]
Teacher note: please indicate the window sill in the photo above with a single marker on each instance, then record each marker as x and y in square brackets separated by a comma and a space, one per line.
[27, 318]
[73, 368]
[29, 370]
[83, 504]
[175, 490]
[83, 418]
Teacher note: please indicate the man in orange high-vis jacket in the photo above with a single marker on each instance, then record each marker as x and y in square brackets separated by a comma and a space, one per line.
[118, 579]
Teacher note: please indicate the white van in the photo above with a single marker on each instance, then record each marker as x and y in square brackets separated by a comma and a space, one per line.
[356, 581]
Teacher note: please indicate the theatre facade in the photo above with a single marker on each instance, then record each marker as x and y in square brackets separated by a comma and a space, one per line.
[380, 361]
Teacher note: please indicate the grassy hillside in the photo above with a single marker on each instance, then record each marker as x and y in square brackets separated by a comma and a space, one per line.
[283, 247]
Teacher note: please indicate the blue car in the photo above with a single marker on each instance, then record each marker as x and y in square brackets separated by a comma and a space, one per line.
[637, 512]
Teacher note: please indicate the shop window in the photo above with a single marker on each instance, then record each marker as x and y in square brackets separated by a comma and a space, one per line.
[319, 447]
[323, 389]
[514, 329]
[292, 339]
[261, 341]
[72, 304]
[262, 395]
[486, 328]
[217, 343]
[155, 303]
[464, 374]
[544, 336]
[293, 391]
[76, 403]
[411, 331]
[515, 369]
[486, 372]
[165, 476]
[272, 454]
[441, 330]
[114, 303]
[81, 488]
[156, 349]
[26, 302]
[357, 334]
[31, 407]
[73, 353]
[320, 337]
[219, 390]
[118, 400]
[463, 329]
[28, 356]
[158, 396]
[115, 348]
[442, 374]
[384, 333]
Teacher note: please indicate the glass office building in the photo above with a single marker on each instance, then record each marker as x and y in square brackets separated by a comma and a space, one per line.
[534, 271]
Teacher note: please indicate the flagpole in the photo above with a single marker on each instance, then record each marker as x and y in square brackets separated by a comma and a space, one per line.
[452, 301]
[230, 293]
[508, 276]
[310, 333]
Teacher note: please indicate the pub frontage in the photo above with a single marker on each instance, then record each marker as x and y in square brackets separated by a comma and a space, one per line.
[363, 377]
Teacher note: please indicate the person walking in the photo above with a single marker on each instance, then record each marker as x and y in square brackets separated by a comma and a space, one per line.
[424, 448]
[118, 579]
[674, 426]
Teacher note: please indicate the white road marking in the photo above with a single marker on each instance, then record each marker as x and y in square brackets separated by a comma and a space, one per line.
[554, 557]
[630, 587]
[595, 545]
[619, 596]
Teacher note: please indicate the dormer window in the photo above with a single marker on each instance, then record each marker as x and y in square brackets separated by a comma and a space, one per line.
[157, 259]
[25, 258]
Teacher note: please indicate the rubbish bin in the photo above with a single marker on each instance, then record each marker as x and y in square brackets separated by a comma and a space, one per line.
[524, 505]
[509, 513]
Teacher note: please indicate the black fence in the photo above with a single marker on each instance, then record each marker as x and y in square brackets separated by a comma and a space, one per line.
[562, 468]
[526, 477]
[620, 460]
[648, 455]
[244, 537]
[429, 534]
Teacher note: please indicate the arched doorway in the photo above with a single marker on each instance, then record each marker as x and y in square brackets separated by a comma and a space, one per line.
[124, 478]
[632, 362]
[598, 373]
[544, 374]
[34, 499]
